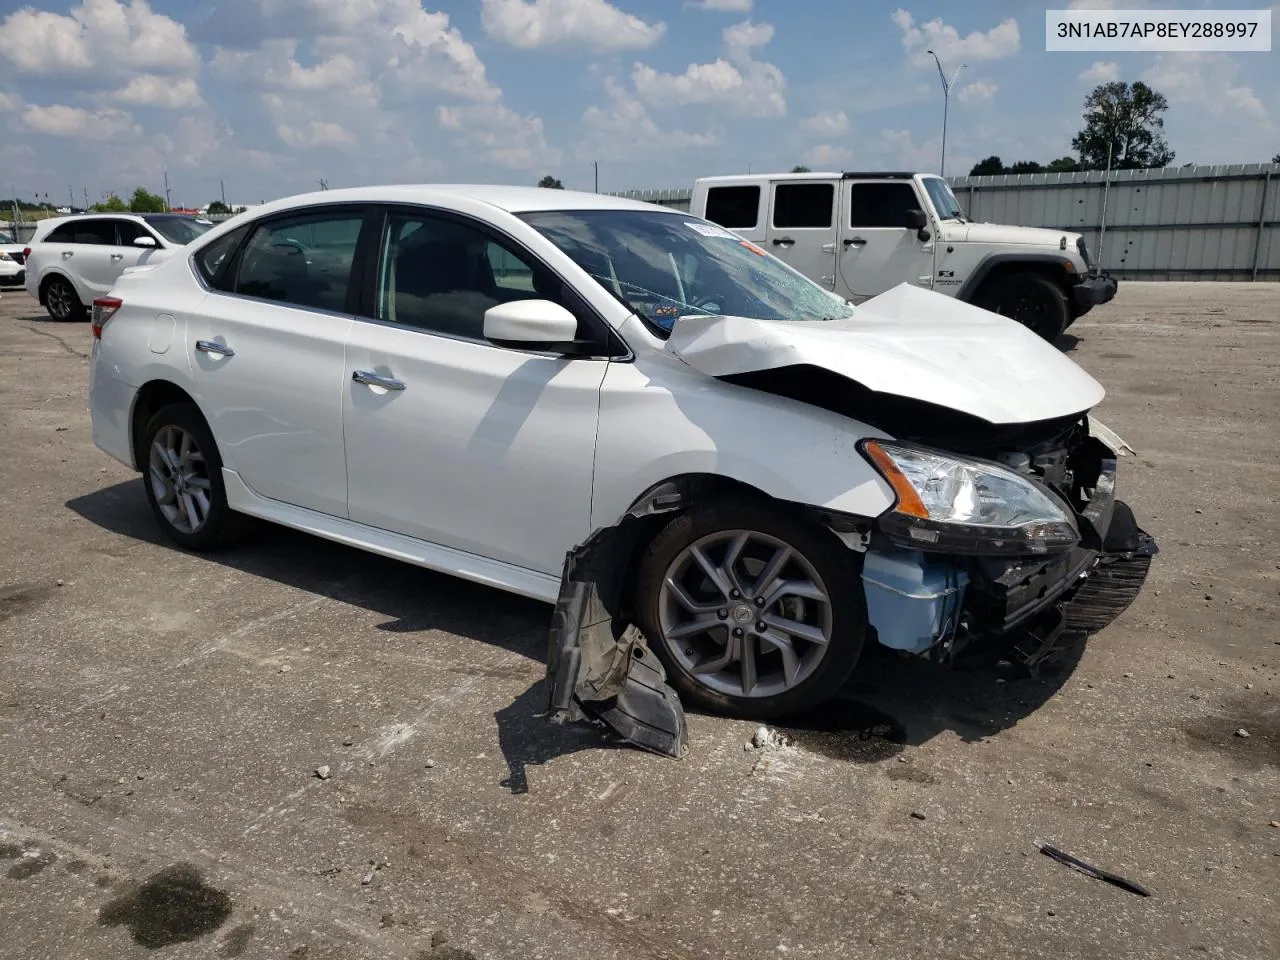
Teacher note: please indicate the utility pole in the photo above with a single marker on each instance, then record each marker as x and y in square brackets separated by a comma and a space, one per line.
[222, 188]
[324, 184]
[86, 199]
[167, 205]
[596, 165]
[72, 195]
[946, 103]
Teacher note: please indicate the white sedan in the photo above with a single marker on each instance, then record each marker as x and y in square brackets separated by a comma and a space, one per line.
[694, 450]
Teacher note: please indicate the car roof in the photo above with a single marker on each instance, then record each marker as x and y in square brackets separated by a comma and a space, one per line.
[745, 178]
[512, 199]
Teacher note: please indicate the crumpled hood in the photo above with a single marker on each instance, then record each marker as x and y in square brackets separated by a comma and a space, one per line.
[1001, 233]
[911, 343]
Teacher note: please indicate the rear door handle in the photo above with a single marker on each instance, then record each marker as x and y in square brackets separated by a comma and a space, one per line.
[67, 254]
[117, 256]
[783, 241]
[372, 379]
[212, 346]
[855, 242]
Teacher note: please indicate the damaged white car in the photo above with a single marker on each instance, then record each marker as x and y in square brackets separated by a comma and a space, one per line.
[729, 480]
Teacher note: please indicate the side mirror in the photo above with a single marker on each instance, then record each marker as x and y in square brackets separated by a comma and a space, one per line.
[144, 241]
[916, 220]
[533, 325]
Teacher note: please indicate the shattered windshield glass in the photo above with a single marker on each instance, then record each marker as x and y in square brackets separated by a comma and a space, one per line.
[665, 266]
[944, 201]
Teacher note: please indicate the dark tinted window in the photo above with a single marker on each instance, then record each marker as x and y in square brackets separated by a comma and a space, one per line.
[181, 230]
[85, 231]
[304, 261]
[881, 204]
[803, 204]
[212, 260]
[129, 230]
[441, 275]
[734, 207]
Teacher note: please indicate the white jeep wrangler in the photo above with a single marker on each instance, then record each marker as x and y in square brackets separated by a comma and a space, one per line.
[859, 234]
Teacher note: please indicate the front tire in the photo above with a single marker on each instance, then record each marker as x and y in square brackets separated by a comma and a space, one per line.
[182, 473]
[61, 300]
[1034, 301]
[754, 611]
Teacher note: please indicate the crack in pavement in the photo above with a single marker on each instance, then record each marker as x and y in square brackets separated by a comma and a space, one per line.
[62, 343]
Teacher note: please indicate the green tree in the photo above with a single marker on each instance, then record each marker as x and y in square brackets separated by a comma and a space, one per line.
[1063, 165]
[113, 204]
[1025, 166]
[550, 183]
[144, 201]
[800, 168]
[989, 167]
[1124, 120]
[217, 208]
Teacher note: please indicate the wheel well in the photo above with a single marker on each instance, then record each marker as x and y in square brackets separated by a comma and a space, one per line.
[48, 279]
[1009, 268]
[152, 398]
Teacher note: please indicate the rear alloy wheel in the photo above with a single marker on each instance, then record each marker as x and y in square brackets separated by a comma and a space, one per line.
[61, 300]
[1034, 301]
[753, 612]
[183, 476]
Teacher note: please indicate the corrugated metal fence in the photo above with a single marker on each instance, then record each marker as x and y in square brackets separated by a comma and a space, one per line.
[1180, 223]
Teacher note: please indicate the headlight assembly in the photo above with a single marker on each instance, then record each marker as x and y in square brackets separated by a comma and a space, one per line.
[958, 505]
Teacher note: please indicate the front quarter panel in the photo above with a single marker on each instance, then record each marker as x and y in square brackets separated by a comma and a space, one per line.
[660, 419]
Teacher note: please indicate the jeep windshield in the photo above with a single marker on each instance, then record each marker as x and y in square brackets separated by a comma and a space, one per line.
[664, 266]
[944, 201]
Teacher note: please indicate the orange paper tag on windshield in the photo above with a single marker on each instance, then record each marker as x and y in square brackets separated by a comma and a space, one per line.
[753, 248]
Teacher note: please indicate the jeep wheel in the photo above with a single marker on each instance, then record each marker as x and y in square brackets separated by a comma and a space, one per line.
[1034, 301]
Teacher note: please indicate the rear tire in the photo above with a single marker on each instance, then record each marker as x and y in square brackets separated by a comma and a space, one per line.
[698, 625]
[1032, 300]
[182, 473]
[61, 300]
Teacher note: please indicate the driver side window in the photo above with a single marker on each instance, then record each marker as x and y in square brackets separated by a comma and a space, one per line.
[302, 261]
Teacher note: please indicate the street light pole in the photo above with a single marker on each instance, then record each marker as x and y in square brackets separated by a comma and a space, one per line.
[946, 103]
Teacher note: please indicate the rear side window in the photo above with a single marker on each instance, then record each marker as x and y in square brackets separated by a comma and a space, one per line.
[881, 204]
[213, 260]
[804, 204]
[100, 232]
[304, 261]
[737, 208]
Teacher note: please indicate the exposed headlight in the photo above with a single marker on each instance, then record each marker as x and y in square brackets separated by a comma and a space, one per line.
[5, 256]
[958, 505]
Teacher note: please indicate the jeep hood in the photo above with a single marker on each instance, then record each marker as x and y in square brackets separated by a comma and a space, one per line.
[1000, 233]
[907, 342]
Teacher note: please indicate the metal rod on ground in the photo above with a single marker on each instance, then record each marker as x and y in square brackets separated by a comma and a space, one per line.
[1106, 189]
[1262, 225]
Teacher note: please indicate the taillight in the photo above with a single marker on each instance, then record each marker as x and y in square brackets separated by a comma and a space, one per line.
[104, 308]
[26, 253]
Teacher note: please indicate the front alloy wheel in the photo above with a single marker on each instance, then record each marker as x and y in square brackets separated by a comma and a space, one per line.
[753, 609]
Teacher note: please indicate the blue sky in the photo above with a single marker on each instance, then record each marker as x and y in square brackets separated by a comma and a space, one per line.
[272, 95]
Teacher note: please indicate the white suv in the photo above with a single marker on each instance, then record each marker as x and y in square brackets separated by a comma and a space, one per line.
[72, 260]
[11, 261]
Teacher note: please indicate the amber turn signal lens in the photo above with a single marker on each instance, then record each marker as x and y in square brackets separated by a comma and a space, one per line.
[909, 501]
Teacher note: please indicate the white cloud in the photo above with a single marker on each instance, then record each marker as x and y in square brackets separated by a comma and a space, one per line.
[596, 24]
[624, 128]
[826, 155]
[736, 82]
[58, 120]
[826, 124]
[1213, 116]
[9, 102]
[1002, 40]
[149, 90]
[99, 36]
[315, 133]
[721, 6]
[500, 135]
[980, 91]
[1102, 71]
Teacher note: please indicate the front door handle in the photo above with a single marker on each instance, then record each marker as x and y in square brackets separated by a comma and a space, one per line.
[372, 379]
[855, 242]
[212, 346]
[783, 242]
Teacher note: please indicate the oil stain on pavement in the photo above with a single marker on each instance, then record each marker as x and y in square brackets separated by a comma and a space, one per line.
[172, 906]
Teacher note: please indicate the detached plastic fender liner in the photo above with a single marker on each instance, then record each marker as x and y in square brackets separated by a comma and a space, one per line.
[598, 664]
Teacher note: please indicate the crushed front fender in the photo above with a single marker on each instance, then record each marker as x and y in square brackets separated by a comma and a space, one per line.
[599, 665]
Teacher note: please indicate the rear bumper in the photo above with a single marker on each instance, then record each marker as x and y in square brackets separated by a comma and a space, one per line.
[1092, 291]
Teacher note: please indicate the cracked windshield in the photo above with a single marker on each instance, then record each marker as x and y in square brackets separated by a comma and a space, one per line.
[667, 266]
